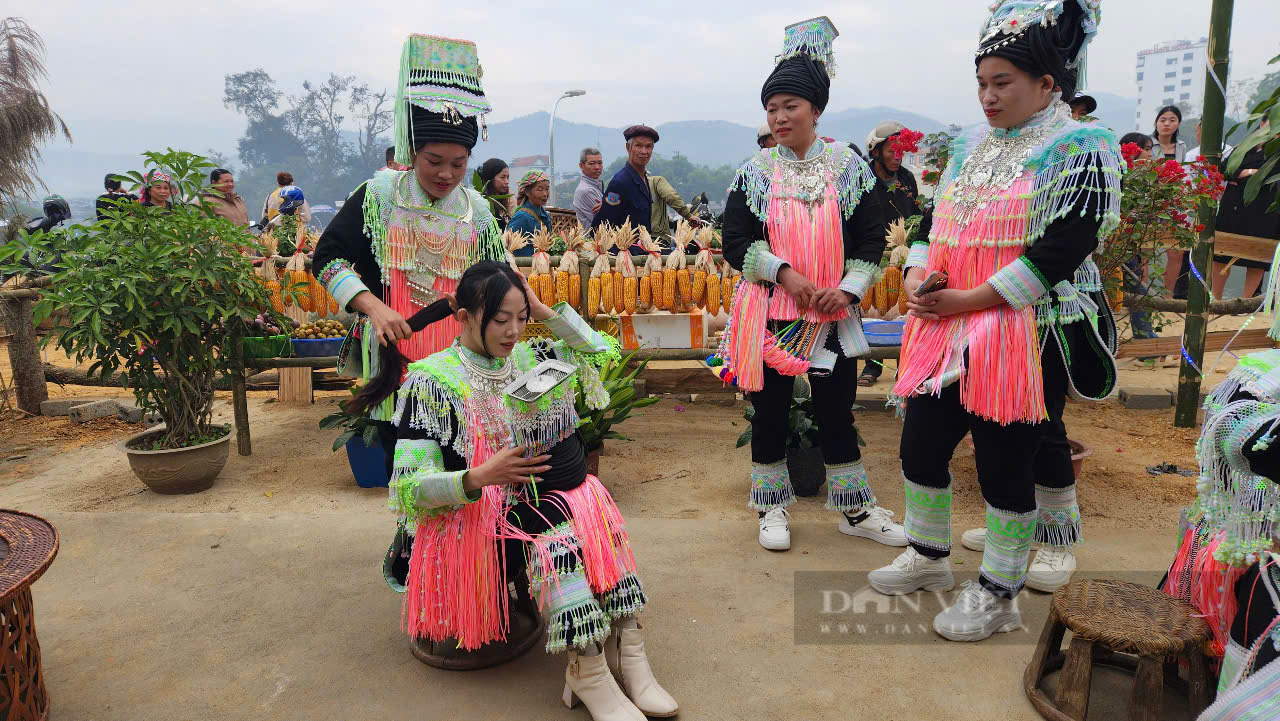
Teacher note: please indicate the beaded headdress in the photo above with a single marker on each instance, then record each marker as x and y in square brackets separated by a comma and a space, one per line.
[812, 37]
[1012, 18]
[440, 75]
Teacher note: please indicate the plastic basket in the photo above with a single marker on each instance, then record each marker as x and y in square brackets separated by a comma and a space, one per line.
[883, 332]
[273, 346]
[316, 347]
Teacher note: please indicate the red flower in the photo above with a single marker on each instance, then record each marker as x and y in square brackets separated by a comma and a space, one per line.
[1130, 151]
[1199, 227]
[905, 141]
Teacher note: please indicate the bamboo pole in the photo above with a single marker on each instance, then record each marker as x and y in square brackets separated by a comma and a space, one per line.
[1193, 334]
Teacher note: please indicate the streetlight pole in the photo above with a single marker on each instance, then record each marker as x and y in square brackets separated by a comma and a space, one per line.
[551, 140]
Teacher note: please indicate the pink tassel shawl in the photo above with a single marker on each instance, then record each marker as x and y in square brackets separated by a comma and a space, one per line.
[813, 245]
[435, 337]
[1002, 378]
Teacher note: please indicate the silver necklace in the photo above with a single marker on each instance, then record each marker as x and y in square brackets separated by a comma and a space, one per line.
[999, 159]
[805, 179]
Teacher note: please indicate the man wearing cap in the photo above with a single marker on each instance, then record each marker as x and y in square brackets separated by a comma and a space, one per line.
[764, 137]
[628, 196]
[1082, 105]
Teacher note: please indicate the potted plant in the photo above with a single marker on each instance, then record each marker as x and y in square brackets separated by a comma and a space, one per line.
[364, 448]
[152, 296]
[805, 463]
[596, 426]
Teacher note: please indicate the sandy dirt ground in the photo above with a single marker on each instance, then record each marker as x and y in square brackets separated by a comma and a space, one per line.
[261, 597]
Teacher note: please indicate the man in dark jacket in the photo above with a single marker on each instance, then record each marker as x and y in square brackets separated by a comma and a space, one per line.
[628, 196]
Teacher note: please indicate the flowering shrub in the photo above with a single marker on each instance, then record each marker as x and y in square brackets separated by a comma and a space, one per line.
[905, 141]
[1158, 205]
[937, 154]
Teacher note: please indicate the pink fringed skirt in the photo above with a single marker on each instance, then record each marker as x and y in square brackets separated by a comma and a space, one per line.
[583, 568]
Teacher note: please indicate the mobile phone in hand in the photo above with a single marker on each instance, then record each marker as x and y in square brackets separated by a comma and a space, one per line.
[937, 280]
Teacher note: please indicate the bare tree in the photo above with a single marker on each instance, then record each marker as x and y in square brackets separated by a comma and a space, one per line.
[252, 92]
[26, 120]
[320, 118]
[372, 112]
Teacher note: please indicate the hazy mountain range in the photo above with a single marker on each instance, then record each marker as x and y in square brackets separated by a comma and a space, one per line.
[77, 173]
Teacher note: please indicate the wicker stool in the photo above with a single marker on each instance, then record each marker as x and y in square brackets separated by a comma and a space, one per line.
[527, 627]
[27, 546]
[1121, 625]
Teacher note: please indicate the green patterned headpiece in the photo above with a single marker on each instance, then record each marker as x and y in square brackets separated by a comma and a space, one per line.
[442, 77]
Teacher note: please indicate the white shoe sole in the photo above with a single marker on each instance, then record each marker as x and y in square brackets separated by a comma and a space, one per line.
[1048, 586]
[775, 546]
[878, 537]
[933, 582]
[980, 544]
[1003, 624]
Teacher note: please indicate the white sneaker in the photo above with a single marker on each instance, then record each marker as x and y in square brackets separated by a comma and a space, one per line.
[974, 539]
[976, 614]
[775, 529]
[910, 572]
[877, 526]
[1051, 569]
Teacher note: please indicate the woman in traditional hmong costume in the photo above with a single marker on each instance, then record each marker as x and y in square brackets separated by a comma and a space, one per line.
[1226, 565]
[807, 235]
[1022, 205]
[405, 237]
[491, 475]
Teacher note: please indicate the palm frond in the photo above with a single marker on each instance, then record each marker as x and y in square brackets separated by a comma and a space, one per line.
[26, 119]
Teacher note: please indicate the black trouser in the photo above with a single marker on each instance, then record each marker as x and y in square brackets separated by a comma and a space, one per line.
[871, 368]
[1053, 461]
[387, 435]
[833, 398]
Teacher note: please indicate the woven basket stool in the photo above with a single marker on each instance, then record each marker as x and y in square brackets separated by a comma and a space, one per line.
[27, 546]
[1122, 625]
[528, 626]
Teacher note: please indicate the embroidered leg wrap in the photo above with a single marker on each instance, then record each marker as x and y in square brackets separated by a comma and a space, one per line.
[575, 616]
[847, 487]
[1008, 549]
[771, 486]
[1058, 519]
[928, 516]
[625, 599]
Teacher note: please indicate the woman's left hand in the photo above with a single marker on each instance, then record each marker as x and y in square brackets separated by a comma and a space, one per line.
[940, 303]
[831, 300]
[537, 309]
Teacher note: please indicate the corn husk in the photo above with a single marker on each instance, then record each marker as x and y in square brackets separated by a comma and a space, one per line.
[567, 274]
[650, 273]
[598, 251]
[540, 277]
[513, 241]
[703, 266]
[627, 282]
[896, 239]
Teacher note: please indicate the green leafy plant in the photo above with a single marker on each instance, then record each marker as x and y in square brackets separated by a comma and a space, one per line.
[1266, 136]
[353, 425]
[596, 426]
[802, 421]
[153, 294]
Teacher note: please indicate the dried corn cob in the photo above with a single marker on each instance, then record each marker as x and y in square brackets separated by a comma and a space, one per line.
[277, 301]
[575, 290]
[882, 298]
[593, 296]
[333, 306]
[699, 286]
[606, 291]
[619, 287]
[629, 292]
[669, 289]
[893, 283]
[726, 290]
[318, 303]
[902, 301]
[868, 299]
[562, 286]
[712, 300]
[646, 291]
[686, 286]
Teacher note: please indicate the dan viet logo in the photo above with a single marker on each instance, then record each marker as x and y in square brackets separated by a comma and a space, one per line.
[841, 608]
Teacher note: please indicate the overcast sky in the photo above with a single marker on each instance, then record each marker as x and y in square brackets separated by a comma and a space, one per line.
[130, 75]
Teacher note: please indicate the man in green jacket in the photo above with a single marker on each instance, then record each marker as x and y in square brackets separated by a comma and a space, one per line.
[665, 196]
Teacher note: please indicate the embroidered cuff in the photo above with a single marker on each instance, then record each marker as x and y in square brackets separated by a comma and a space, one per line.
[1019, 283]
[341, 281]
[918, 256]
[569, 327]
[760, 264]
[859, 275]
[419, 482]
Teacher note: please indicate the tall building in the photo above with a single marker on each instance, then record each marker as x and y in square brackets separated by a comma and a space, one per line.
[1171, 73]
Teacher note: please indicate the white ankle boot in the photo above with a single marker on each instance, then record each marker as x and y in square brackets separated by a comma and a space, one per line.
[624, 652]
[587, 679]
